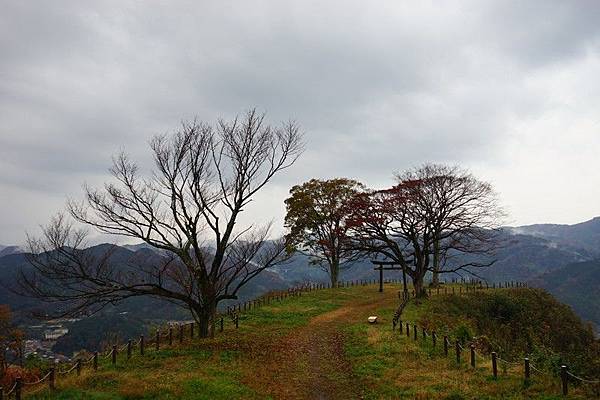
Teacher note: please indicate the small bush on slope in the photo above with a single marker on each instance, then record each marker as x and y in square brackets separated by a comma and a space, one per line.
[519, 322]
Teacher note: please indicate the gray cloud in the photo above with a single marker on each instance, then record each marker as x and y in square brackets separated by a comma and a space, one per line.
[509, 89]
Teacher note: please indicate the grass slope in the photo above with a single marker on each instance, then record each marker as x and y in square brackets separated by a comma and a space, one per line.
[314, 346]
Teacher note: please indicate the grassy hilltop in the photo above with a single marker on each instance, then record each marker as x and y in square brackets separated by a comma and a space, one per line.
[319, 346]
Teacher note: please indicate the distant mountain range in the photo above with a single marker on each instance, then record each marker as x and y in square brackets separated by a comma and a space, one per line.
[8, 250]
[563, 259]
[585, 235]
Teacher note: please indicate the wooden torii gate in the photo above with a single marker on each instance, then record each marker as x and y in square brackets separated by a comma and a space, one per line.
[388, 266]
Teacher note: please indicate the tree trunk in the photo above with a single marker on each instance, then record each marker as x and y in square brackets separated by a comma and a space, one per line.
[205, 317]
[334, 271]
[435, 279]
[419, 287]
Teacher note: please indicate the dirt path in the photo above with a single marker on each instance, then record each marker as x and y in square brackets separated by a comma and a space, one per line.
[310, 363]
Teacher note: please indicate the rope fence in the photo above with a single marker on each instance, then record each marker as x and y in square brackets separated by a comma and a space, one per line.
[176, 333]
[594, 382]
[565, 375]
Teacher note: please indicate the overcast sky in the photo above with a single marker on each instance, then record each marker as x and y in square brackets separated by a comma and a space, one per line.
[510, 90]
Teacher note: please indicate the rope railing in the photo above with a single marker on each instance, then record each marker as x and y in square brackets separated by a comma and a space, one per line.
[110, 353]
[509, 363]
[89, 360]
[594, 382]
[67, 371]
[12, 390]
[39, 380]
[176, 333]
[565, 374]
[539, 371]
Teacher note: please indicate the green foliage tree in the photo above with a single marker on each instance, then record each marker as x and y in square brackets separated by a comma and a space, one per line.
[316, 217]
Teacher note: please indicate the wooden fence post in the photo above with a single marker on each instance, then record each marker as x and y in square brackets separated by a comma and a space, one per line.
[129, 349]
[180, 333]
[565, 380]
[237, 323]
[472, 356]
[18, 388]
[446, 345]
[433, 338]
[192, 330]
[494, 364]
[157, 345]
[78, 367]
[141, 345]
[407, 330]
[95, 361]
[170, 336]
[527, 370]
[423, 333]
[114, 354]
[415, 331]
[457, 352]
[51, 379]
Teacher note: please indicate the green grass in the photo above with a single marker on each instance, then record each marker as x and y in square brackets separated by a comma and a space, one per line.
[392, 365]
[199, 369]
[384, 364]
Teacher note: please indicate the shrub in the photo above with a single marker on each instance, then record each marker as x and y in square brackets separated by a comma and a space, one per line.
[519, 322]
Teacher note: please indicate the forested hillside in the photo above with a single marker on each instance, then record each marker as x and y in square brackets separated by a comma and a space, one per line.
[578, 285]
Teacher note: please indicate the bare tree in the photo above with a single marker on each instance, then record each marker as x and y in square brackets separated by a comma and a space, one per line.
[434, 213]
[463, 216]
[187, 208]
[388, 223]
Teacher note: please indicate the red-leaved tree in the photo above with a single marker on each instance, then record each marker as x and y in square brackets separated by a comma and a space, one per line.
[433, 214]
